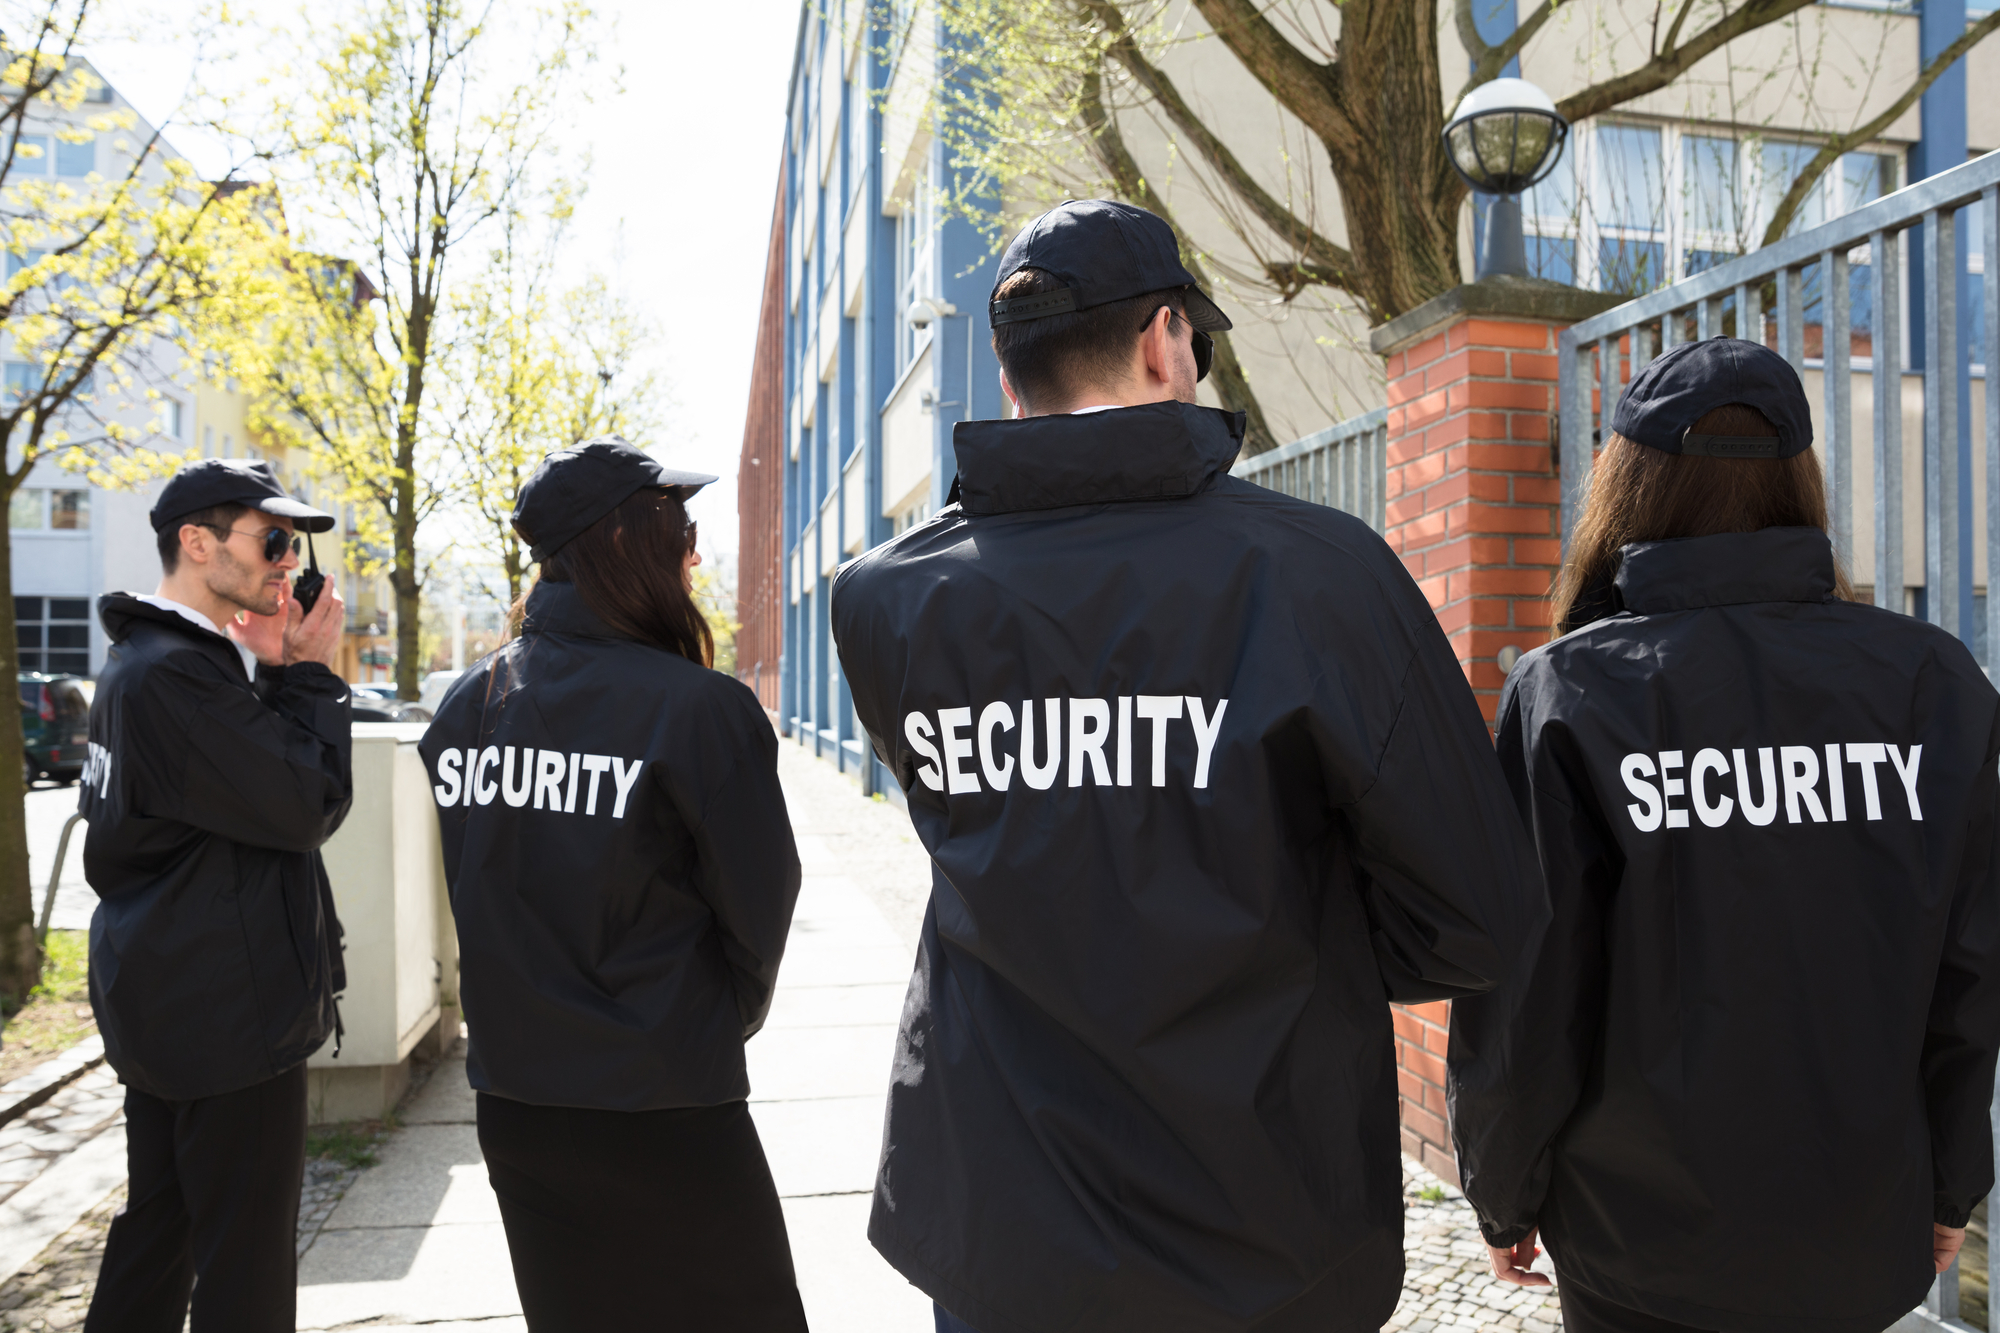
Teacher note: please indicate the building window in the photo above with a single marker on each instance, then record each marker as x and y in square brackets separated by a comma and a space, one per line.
[170, 418]
[916, 240]
[76, 159]
[34, 509]
[1666, 201]
[31, 155]
[53, 634]
[909, 518]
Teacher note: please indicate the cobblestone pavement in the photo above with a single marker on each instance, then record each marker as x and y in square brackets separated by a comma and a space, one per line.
[325, 1183]
[54, 1291]
[1447, 1283]
[44, 1135]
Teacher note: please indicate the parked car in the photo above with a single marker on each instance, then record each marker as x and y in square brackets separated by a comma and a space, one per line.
[373, 708]
[432, 694]
[55, 726]
[375, 690]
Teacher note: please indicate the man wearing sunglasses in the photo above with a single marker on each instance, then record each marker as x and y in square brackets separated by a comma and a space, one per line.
[219, 749]
[1204, 788]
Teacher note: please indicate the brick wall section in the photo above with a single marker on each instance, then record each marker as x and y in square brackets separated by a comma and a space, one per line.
[1472, 491]
[1473, 506]
[1420, 1047]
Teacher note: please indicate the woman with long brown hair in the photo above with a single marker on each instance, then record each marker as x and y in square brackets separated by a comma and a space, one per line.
[623, 874]
[1743, 1082]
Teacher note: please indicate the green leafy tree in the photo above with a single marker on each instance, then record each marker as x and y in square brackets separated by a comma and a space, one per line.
[414, 129]
[112, 277]
[535, 370]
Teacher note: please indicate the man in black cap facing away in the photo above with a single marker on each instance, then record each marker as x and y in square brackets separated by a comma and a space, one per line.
[219, 744]
[1204, 788]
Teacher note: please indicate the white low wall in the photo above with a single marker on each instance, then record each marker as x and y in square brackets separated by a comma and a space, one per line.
[387, 872]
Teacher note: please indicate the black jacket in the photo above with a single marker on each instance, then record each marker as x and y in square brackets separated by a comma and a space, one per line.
[1146, 1077]
[214, 949]
[621, 866]
[1753, 1060]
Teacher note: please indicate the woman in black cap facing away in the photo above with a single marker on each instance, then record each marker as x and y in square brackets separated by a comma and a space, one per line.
[1745, 1083]
[623, 875]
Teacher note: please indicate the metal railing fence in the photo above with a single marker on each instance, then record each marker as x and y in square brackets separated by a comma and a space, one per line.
[1344, 467]
[1589, 356]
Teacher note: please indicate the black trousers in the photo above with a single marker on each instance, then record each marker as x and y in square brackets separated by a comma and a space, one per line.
[1587, 1312]
[213, 1211]
[640, 1219]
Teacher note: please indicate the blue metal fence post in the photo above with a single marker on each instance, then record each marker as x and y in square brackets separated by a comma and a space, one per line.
[1943, 146]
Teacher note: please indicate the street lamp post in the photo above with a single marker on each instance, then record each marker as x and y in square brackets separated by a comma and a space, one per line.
[1505, 137]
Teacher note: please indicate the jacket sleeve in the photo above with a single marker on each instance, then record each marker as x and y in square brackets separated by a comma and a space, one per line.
[275, 776]
[1964, 1024]
[749, 861]
[1451, 887]
[1518, 1056]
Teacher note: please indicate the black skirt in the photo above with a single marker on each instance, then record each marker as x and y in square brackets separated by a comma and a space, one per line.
[640, 1219]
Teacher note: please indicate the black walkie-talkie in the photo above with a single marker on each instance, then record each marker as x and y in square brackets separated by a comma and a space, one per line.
[307, 588]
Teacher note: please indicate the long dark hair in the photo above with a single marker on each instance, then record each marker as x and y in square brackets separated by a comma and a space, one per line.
[628, 567]
[1642, 495]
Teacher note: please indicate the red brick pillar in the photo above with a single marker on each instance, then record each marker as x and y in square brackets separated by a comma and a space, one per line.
[1472, 505]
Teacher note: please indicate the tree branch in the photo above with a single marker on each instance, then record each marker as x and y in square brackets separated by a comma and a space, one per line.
[1831, 150]
[1319, 253]
[1488, 61]
[1301, 84]
[1672, 61]
[1231, 383]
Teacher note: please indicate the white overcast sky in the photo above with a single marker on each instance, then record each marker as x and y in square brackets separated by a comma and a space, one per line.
[680, 194]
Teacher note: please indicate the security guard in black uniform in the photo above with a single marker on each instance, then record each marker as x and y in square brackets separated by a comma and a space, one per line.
[1745, 1085]
[219, 749]
[623, 874]
[1204, 788]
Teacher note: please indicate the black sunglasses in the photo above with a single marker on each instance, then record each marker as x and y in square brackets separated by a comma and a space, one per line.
[276, 541]
[1204, 346]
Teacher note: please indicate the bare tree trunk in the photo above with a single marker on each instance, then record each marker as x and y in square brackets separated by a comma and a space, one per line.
[20, 954]
[404, 574]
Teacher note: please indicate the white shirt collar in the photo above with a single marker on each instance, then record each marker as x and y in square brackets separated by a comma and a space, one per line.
[1100, 407]
[190, 614]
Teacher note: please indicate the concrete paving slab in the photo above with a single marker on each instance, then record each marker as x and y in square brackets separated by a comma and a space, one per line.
[846, 1286]
[428, 1175]
[852, 965]
[826, 1146]
[875, 1004]
[840, 932]
[791, 1063]
[52, 1203]
[446, 1099]
[406, 1275]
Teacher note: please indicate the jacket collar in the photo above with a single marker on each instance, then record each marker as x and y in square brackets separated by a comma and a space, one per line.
[1156, 451]
[123, 612]
[557, 608]
[1730, 568]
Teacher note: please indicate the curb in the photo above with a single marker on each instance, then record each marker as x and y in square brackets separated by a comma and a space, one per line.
[48, 1078]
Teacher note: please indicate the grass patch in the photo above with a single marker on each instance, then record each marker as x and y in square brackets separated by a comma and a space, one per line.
[57, 1015]
[1432, 1194]
[352, 1143]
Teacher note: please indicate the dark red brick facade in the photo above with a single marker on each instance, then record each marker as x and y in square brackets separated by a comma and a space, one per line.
[760, 489]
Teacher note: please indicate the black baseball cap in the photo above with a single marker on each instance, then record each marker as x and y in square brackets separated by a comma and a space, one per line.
[1688, 382]
[1101, 251]
[575, 487]
[209, 482]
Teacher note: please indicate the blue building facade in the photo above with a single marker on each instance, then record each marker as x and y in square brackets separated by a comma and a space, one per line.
[870, 396]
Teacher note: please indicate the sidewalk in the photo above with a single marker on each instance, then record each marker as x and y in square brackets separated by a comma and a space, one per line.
[415, 1242]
